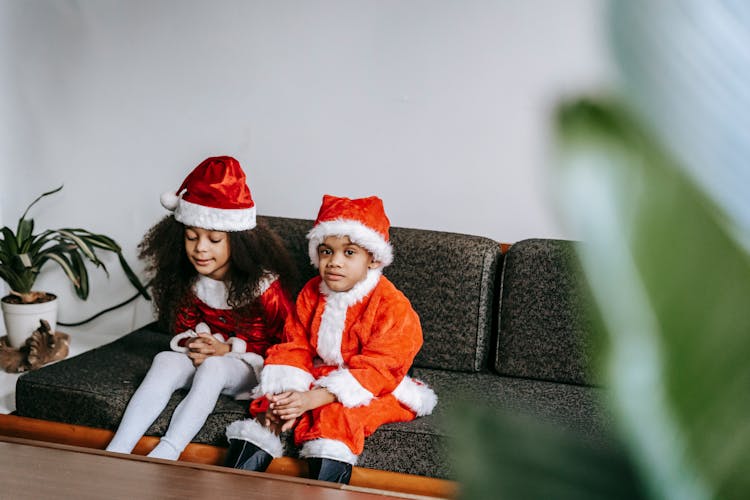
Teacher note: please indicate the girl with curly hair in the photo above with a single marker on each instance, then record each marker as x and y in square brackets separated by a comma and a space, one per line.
[221, 284]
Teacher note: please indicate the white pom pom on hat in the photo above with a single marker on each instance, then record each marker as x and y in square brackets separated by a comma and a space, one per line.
[169, 200]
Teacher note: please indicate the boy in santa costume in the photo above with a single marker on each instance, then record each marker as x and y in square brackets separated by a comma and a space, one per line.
[342, 370]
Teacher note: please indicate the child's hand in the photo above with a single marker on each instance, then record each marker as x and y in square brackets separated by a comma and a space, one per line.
[287, 405]
[271, 422]
[290, 405]
[205, 345]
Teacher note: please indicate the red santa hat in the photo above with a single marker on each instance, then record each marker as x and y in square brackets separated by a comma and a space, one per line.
[213, 196]
[363, 220]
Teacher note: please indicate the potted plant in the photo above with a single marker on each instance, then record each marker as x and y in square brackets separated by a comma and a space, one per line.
[22, 256]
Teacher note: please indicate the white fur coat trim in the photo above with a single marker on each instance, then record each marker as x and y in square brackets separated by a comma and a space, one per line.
[346, 388]
[214, 293]
[211, 292]
[252, 431]
[418, 396]
[174, 343]
[333, 319]
[328, 448]
[279, 378]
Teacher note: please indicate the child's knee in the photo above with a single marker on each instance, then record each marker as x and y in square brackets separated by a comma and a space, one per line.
[213, 364]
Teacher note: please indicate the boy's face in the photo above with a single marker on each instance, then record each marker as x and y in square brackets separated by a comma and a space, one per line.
[208, 251]
[342, 263]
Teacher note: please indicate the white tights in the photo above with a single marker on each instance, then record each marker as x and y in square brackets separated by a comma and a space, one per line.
[171, 371]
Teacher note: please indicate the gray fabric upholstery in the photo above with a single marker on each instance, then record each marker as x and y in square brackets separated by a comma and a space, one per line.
[545, 332]
[94, 388]
[423, 446]
[449, 279]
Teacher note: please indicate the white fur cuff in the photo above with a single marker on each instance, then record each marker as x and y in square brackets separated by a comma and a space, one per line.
[250, 430]
[416, 395]
[174, 343]
[347, 389]
[238, 345]
[328, 448]
[280, 378]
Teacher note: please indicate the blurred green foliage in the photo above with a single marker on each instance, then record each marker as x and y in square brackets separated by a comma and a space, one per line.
[671, 286]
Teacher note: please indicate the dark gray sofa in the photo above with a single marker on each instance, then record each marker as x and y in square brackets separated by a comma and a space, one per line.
[506, 331]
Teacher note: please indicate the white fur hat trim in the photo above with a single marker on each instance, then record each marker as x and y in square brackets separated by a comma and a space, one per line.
[357, 232]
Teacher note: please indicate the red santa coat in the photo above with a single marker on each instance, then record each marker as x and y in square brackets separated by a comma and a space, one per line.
[249, 333]
[357, 344]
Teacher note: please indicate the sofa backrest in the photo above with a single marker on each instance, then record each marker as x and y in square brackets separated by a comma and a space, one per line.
[544, 327]
[449, 278]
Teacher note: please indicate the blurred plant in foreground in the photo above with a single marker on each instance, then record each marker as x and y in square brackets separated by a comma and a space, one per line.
[655, 180]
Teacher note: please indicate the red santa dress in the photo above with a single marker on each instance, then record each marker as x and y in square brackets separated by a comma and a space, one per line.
[250, 332]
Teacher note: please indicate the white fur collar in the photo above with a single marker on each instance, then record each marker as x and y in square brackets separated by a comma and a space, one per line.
[333, 320]
[211, 292]
[214, 293]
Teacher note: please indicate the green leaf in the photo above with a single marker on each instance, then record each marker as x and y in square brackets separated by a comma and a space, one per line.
[40, 240]
[9, 240]
[34, 203]
[24, 234]
[97, 240]
[132, 277]
[79, 268]
[673, 286]
[70, 272]
[81, 244]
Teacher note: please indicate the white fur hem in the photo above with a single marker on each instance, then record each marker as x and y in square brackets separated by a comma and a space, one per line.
[357, 232]
[280, 378]
[346, 388]
[216, 219]
[174, 343]
[328, 448]
[251, 430]
[416, 395]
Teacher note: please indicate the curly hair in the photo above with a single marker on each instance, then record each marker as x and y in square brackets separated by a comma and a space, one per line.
[253, 253]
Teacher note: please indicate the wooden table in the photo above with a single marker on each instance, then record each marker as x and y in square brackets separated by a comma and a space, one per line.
[40, 470]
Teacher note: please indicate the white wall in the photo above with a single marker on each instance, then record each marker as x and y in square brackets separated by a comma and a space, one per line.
[439, 107]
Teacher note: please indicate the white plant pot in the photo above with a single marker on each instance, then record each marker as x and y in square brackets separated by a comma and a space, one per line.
[22, 319]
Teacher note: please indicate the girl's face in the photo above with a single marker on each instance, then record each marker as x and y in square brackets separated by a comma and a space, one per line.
[208, 251]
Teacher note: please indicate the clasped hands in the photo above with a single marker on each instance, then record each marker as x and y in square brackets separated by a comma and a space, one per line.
[204, 345]
[286, 407]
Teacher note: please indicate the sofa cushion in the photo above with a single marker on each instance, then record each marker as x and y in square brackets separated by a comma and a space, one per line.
[423, 446]
[449, 279]
[545, 331]
[93, 389]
